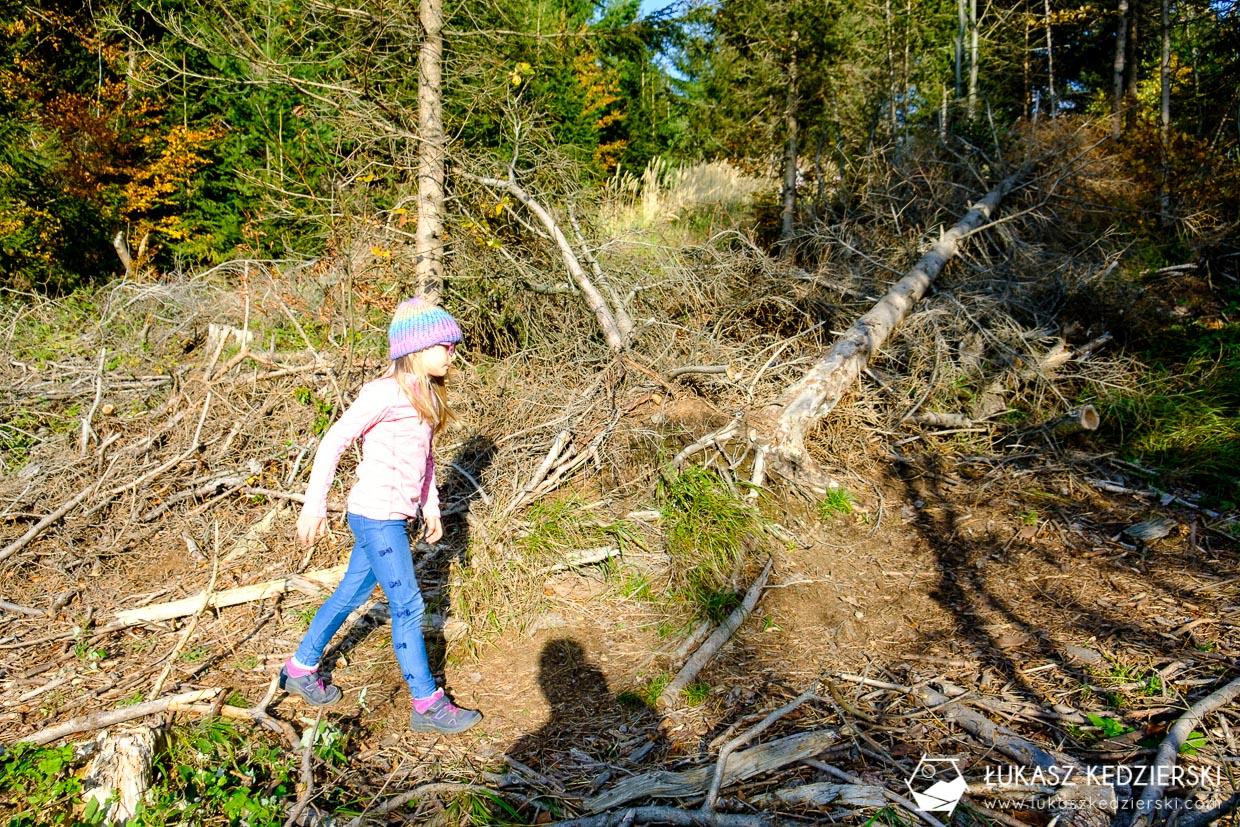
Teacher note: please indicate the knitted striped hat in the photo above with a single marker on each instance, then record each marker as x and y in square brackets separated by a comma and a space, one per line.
[417, 324]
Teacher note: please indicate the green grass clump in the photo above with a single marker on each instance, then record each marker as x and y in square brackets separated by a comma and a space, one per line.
[1186, 422]
[706, 526]
[556, 527]
[645, 695]
[837, 501]
[560, 528]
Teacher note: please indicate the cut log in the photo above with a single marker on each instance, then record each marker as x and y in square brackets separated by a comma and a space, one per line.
[779, 430]
[121, 771]
[1084, 418]
[692, 784]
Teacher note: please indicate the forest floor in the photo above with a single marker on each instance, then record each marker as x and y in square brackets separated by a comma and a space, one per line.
[1010, 576]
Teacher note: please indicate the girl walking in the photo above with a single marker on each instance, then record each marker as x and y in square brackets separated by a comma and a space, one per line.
[396, 416]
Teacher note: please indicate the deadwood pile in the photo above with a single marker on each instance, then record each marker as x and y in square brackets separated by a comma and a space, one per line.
[166, 445]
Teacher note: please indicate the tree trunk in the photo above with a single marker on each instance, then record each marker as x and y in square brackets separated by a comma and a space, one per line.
[1027, 69]
[780, 429]
[891, 66]
[961, 17]
[973, 52]
[1117, 73]
[1164, 111]
[1052, 101]
[428, 240]
[1132, 67]
[790, 157]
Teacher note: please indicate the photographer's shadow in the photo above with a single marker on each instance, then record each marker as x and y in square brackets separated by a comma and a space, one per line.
[590, 731]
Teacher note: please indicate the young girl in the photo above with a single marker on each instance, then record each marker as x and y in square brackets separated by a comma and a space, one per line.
[396, 416]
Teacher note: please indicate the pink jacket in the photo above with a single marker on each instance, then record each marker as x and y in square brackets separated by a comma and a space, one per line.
[396, 476]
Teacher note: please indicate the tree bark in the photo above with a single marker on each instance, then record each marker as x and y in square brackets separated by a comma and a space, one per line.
[1164, 111]
[428, 240]
[961, 18]
[780, 429]
[973, 54]
[1117, 73]
[1050, 63]
[1132, 67]
[790, 156]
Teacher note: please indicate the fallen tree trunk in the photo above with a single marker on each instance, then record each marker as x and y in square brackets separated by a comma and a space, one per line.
[696, 782]
[779, 430]
[671, 693]
[111, 717]
[312, 582]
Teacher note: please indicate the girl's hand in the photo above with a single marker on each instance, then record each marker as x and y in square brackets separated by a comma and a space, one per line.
[310, 528]
[434, 528]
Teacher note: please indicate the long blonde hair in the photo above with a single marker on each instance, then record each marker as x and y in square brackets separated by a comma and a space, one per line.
[427, 394]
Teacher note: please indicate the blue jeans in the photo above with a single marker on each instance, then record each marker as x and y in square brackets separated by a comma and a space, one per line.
[381, 554]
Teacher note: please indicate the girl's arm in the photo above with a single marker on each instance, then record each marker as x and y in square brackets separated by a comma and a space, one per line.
[430, 490]
[359, 418]
[430, 500]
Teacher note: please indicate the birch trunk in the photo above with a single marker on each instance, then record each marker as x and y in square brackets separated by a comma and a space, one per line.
[960, 27]
[1132, 67]
[781, 428]
[428, 240]
[1050, 63]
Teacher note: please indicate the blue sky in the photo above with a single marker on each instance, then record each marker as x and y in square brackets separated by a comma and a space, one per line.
[653, 5]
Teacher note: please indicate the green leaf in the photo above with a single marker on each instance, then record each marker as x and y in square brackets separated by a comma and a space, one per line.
[1195, 741]
[1110, 727]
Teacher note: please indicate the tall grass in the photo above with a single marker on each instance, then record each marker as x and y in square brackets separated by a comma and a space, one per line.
[706, 529]
[1186, 423]
[666, 193]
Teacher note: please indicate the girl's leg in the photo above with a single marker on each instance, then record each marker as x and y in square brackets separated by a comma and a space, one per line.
[354, 588]
[386, 544]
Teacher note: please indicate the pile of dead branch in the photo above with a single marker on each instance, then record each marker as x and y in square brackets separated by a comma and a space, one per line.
[158, 450]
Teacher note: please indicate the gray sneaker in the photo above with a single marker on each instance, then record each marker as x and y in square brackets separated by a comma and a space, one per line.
[443, 716]
[310, 687]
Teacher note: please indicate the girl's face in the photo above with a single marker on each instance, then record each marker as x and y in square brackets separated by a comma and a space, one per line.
[436, 359]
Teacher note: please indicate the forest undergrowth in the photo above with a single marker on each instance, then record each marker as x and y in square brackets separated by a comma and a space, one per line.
[976, 562]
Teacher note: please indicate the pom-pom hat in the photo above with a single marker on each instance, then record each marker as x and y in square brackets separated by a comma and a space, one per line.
[417, 324]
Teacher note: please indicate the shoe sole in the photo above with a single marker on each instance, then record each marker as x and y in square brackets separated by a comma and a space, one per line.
[441, 730]
[284, 686]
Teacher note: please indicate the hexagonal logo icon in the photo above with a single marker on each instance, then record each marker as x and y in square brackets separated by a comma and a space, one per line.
[937, 784]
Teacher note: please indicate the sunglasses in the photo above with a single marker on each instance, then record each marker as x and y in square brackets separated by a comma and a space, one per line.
[451, 346]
